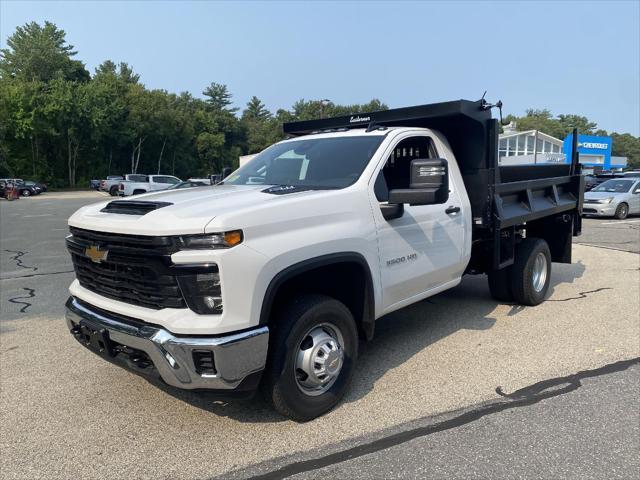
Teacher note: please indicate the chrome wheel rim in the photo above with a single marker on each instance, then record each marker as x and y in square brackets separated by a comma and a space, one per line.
[319, 359]
[539, 272]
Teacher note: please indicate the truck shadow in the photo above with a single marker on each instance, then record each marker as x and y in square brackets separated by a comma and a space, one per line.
[399, 337]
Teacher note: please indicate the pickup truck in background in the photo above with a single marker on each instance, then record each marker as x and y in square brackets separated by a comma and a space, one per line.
[147, 183]
[270, 278]
[113, 181]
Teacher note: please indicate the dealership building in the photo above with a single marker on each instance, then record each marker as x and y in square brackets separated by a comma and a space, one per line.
[534, 146]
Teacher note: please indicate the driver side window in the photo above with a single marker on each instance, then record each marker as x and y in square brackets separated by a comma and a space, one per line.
[396, 172]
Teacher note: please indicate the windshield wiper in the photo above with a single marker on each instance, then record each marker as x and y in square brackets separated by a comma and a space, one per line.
[288, 188]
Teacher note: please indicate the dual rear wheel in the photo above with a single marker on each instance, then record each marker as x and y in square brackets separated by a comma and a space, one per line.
[526, 281]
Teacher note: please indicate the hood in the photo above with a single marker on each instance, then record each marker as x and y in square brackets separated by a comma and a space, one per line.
[188, 211]
[598, 195]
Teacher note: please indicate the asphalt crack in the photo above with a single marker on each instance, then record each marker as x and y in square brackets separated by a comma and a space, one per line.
[17, 258]
[44, 274]
[523, 397]
[581, 295]
[16, 300]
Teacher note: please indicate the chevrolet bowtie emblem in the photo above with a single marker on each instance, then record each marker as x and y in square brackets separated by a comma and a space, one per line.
[95, 254]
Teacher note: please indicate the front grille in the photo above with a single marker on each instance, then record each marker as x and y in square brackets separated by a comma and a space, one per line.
[136, 269]
[589, 210]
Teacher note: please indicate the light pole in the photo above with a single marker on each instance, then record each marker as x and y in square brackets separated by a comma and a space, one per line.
[323, 102]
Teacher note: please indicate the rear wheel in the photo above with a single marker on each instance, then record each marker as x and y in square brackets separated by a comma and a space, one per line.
[531, 271]
[113, 191]
[622, 211]
[25, 193]
[313, 350]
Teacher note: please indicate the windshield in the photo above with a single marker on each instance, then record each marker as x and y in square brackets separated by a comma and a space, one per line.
[614, 186]
[311, 163]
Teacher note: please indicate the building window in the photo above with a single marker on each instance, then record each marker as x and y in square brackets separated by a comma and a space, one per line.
[521, 144]
[511, 151]
[531, 140]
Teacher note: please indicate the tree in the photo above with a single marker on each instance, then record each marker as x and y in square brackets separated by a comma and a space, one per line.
[626, 145]
[567, 123]
[256, 110]
[218, 97]
[40, 53]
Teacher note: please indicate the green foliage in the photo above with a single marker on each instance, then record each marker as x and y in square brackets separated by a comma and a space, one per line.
[626, 145]
[40, 53]
[63, 126]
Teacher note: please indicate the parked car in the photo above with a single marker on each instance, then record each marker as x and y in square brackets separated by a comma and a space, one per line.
[41, 187]
[617, 197]
[94, 184]
[149, 183]
[273, 277]
[631, 173]
[188, 184]
[592, 181]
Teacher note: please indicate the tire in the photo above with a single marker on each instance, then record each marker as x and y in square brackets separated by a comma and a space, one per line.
[113, 191]
[25, 193]
[532, 255]
[301, 326]
[500, 284]
[622, 211]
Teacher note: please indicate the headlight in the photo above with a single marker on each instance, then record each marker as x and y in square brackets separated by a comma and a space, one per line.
[605, 200]
[202, 292]
[211, 240]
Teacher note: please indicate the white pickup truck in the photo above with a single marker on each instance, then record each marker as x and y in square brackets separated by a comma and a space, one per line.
[271, 278]
[146, 183]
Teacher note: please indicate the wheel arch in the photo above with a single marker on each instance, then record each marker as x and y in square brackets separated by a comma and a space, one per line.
[311, 275]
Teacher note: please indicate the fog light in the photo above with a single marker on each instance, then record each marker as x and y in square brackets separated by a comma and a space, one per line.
[202, 292]
[170, 359]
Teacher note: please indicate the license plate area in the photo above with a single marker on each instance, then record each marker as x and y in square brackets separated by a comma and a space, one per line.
[94, 337]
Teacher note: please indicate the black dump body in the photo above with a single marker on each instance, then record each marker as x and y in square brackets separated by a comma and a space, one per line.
[544, 199]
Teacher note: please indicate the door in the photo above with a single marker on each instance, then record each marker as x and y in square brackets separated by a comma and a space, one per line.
[423, 249]
[634, 201]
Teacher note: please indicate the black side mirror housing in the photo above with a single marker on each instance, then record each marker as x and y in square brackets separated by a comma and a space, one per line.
[429, 184]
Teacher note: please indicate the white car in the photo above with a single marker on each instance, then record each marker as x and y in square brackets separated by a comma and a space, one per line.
[272, 277]
[147, 183]
[618, 197]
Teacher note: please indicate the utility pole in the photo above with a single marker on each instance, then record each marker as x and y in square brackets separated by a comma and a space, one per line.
[323, 102]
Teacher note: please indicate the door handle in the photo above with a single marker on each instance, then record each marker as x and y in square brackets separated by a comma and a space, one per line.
[451, 210]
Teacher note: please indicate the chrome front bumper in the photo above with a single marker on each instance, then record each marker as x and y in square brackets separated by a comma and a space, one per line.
[235, 356]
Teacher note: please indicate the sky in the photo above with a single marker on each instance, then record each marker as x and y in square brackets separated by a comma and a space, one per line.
[570, 57]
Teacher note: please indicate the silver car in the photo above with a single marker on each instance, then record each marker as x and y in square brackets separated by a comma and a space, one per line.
[617, 197]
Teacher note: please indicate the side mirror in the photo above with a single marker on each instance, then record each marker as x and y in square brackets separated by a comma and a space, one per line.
[429, 184]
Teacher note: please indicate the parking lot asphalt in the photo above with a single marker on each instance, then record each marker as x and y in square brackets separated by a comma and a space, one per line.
[66, 413]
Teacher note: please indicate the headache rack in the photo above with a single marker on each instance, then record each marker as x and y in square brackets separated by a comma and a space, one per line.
[546, 198]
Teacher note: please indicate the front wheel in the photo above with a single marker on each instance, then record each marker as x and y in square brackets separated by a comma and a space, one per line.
[531, 272]
[622, 211]
[313, 350]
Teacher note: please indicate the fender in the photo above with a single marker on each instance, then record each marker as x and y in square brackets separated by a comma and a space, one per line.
[367, 322]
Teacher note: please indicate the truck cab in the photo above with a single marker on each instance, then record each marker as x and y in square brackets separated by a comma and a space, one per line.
[270, 278]
[146, 183]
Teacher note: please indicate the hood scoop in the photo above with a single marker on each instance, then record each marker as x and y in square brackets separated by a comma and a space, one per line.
[133, 207]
